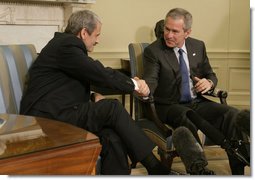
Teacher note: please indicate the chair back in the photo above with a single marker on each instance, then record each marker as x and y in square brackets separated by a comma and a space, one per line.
[15, 61]
[136, 66]
[136, 58]
[142, 117]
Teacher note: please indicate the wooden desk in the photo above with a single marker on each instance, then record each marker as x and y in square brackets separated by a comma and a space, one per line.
[65, 149]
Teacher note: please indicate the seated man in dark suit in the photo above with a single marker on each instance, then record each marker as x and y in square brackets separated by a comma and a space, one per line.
[178, 73]
[59, 88]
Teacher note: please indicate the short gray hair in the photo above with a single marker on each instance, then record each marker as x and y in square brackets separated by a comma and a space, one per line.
[82, 19]
[178, 13]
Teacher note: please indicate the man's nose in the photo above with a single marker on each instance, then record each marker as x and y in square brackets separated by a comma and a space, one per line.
[169, 34]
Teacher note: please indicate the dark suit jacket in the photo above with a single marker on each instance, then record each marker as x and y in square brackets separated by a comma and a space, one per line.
[161, 69]
[60, 77]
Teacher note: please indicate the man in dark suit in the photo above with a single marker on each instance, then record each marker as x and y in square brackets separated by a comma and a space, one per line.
[59, 88]
[178, 89]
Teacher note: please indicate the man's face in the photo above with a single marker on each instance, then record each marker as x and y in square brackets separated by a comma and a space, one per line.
[174, 33]
[90, 40]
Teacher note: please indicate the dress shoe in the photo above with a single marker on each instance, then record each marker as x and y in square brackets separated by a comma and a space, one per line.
[204, 171]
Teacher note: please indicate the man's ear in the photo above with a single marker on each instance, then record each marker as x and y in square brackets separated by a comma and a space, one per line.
[84, 33]
[187, 33]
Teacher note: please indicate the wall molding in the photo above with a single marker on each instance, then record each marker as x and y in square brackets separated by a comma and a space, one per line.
[212, 55]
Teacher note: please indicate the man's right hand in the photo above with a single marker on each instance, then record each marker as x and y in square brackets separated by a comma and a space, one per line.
[143, 89]
[95, 97]
[98, 97]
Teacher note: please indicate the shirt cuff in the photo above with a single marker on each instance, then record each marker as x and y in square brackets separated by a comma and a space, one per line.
[136, 85]
[212, 84]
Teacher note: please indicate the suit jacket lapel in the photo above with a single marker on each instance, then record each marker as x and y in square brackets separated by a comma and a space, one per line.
[172, 61]
[191, 55]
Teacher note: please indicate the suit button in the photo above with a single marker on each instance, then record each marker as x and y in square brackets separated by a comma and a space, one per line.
[75, 107]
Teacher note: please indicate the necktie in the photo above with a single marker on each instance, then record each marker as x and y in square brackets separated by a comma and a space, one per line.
[185, 89]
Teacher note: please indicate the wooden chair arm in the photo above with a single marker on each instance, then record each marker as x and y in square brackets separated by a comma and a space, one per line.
[148, 104]
[221, 94]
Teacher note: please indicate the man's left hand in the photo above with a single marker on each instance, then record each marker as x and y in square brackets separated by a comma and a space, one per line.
[202, 85]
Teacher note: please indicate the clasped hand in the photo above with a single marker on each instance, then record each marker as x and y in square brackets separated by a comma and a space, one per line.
[143, 89]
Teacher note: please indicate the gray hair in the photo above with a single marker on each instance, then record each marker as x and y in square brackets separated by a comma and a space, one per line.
[82, 19]
[178, 13]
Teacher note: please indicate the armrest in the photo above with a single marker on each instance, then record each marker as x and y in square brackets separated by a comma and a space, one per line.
[148, 103]
[221, 94]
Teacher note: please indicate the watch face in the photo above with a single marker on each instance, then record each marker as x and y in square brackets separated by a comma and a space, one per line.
[2, 122]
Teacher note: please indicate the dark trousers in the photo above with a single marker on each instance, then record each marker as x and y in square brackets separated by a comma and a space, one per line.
[114, 155]
[220, 116]
[107, 114]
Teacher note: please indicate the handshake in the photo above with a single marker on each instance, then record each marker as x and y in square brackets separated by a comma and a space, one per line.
[141, 87]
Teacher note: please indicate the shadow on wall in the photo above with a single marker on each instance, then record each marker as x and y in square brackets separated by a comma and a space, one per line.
[145, 34]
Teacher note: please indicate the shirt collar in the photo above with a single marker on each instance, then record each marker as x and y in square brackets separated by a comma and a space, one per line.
[176, 49]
